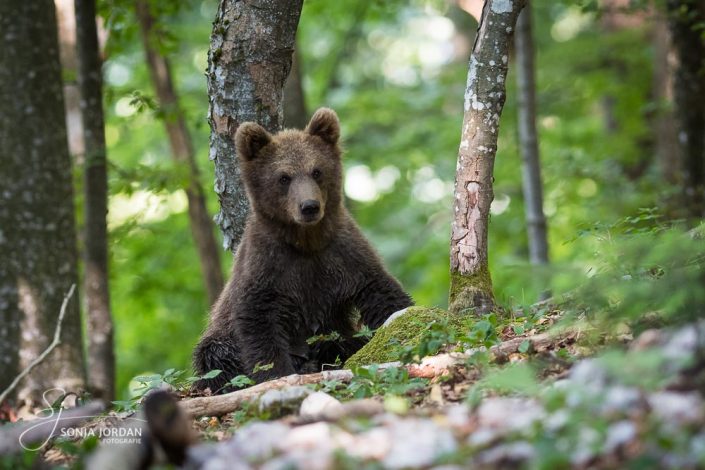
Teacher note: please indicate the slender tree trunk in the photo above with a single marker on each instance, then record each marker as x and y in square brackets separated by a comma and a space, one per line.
[248, 62]
[686, 20]
[101, 356]
[37, 227]
[295, 113]
[665, 133]
[529, 142]
[66, 23]
[471, 285]
[183, 153]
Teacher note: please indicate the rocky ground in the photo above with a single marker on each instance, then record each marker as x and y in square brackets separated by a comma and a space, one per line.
[596, 415]
[531, 400]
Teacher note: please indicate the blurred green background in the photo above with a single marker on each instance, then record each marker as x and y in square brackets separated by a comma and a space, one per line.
[395, 72]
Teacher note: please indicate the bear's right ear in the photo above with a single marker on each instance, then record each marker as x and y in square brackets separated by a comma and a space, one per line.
[250, 138]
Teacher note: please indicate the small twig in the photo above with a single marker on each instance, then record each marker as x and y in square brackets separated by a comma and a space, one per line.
[42, 356]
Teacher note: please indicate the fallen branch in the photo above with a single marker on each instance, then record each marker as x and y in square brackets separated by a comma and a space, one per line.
[47, 351]
[222, 404]
[15, 437]
[430, 367]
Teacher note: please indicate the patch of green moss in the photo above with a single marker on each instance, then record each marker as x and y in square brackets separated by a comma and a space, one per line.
[471, 292]
[407, 330]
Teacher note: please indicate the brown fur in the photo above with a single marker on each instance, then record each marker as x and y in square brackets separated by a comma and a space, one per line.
[303, 267]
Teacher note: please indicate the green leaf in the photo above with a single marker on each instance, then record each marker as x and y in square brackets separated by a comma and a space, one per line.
[241, 381]
[524, 346]
[263, 367]
[212, 374]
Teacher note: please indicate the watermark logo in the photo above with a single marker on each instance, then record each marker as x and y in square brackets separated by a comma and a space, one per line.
[52, 422]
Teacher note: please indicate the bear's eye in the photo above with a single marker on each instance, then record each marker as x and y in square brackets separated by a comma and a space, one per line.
[316, 174]
[284, 179]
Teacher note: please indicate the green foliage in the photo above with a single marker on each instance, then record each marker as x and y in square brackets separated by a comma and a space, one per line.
[332, 336]
[177, 380]
[369, 381]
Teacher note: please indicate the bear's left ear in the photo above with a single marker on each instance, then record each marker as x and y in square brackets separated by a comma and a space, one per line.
[250, 138]
[324, 124]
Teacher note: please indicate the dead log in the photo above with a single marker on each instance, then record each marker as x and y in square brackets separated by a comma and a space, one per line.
[222, 404]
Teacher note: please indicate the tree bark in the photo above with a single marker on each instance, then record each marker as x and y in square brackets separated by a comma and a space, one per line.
[248, 62]
[99, 324]
[686, 19]
[529, 142]
[183, 153]
[37, 226]
[295, 113]
[471, 285]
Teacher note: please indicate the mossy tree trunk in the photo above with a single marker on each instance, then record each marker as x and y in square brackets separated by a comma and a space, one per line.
[248, 62]
[471, 285]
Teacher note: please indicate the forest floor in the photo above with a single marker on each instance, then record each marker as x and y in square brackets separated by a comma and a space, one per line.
[535, 397]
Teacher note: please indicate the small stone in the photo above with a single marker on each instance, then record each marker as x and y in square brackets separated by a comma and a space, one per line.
[483, 437]
[394, 316]
[619, 434]
[505, 454]
[509, 413]
[417, 443]
[648, 339]
[256, 441]
[458, 417]
[621, 399]
[282, 402]
[556, 420]
[309, 437]
[589, 372]
[682, 344]
[318, 404]
[373, 444]
[677, 408]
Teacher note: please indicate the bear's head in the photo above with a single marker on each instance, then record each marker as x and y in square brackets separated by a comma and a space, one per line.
[293, 177]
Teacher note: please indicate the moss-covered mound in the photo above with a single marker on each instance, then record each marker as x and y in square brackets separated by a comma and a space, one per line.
[407, 330]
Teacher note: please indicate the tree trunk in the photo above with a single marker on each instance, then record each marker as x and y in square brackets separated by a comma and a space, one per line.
[248, 62]
[665, 133]
[471, 285]
[529, 142]
[183, 153]
[66, 23]
[295, 114]
[101, 356]
[37, 227]
[686, 19]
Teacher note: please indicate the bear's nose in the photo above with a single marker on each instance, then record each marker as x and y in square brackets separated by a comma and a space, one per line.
[310, 207]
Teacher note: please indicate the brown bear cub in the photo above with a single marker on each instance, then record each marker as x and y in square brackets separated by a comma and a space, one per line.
[303, 268]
